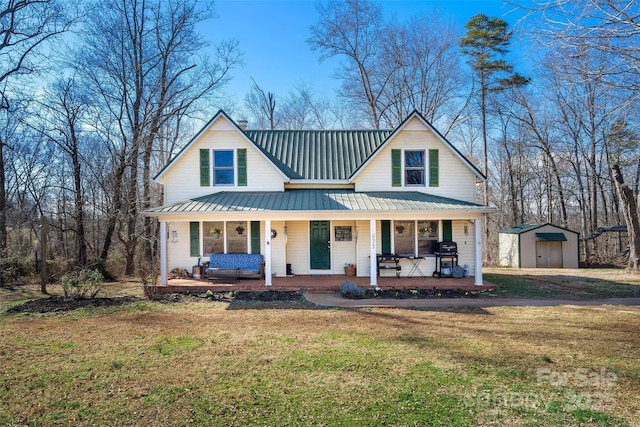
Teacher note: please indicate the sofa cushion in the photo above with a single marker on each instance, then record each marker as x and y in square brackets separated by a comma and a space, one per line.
[251, 262]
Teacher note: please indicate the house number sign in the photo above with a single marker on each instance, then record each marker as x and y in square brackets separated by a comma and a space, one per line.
[343, 233]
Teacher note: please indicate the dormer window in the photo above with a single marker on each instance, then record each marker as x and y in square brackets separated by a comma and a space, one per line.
[223, 167]
[223, 170]
[414, 170]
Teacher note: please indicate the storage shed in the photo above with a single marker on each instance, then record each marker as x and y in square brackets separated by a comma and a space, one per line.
[538, 246]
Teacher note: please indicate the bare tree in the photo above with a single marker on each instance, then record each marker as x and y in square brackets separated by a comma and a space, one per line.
[351, 29]
[63, 114]
[262, 106]
[599, 42]
[143, 62]
[419, 55]
[25, 27]
[303, 109]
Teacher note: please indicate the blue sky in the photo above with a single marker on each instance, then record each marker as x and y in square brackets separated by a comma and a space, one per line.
[272, 36]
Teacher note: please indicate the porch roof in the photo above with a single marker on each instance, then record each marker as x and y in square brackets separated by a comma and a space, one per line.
[314, 200]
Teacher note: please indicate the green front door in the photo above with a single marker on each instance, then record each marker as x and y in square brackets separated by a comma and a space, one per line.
[320, 245]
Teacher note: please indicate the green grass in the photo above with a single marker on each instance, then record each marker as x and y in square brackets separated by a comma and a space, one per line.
[558, 286]
[191, 363]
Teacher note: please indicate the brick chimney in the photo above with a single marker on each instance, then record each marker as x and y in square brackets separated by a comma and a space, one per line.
[242, 124]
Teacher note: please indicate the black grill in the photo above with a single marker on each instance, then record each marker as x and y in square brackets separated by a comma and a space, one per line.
[446, 259]
[446, 249]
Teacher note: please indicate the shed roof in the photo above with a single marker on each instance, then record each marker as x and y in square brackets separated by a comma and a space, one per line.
[318, 200]
[523, 228]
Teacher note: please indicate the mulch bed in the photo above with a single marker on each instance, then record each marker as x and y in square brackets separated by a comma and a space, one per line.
[59, 304]
[420, 293]
[54, 304]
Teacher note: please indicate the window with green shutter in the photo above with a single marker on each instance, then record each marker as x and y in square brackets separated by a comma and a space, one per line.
[205, 174]
[255, 237]
[434, 174]
[385, 231]
[242, 167]
[447, 230]
[396, 168]
[194, 239]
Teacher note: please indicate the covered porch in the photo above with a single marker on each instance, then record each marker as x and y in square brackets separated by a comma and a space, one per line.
[307, 233]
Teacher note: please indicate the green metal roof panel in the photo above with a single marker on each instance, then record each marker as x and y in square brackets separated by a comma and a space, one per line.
[318, 154]
[551, 237]
[522, 228]
[316, 200]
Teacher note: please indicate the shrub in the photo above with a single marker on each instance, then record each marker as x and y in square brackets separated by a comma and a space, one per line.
[83, 284]
[13, 271]
[150, 286]
[351, 290]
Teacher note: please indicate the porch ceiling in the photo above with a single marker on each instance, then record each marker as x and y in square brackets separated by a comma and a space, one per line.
[318, 201]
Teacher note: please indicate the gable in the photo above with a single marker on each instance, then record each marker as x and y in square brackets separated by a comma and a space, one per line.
[385, 170]
[191, 173]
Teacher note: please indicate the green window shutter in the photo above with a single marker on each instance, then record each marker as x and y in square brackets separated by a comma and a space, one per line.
[447, 230]
[385, 230]
[242, 167]
[396, 168]
[205, 174]
[194, 238]
[433, 168]
[255, 237]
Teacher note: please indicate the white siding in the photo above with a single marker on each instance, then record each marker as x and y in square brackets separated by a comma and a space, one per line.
[377, 175]
[298, 246]
[178, 249]
[182, 180]
[363, 264]
[278, 253]
[508, 250]
[466, 244]
[342, 252]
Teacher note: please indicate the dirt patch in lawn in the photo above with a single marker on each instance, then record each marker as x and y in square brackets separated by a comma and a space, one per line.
[236, 299]
[55, 303]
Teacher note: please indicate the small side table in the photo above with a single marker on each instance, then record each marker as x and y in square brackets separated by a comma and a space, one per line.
[197, 271]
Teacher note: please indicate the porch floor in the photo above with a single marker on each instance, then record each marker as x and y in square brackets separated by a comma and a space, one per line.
[321, 284]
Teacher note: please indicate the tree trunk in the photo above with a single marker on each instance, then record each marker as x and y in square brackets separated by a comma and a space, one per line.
[630, 212]
[3, 207]
[81, 238]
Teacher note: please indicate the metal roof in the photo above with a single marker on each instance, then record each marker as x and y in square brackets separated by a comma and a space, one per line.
[522, 228]
[551, 237]
[318, 154]
[317, 200]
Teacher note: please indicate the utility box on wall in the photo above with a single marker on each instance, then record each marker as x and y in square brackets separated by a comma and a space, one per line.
[538, 246]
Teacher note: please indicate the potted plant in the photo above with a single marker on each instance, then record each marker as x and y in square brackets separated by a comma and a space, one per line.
[425, 231]
[350, 269]
[215, 233]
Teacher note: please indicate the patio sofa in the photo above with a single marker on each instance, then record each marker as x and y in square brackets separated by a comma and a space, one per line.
[234, 266]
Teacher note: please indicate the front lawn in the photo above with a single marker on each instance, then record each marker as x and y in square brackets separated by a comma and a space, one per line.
[581, 283]
[202, 363]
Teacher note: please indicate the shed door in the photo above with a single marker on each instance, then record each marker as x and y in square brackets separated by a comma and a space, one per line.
[549, 254]
[320, 245]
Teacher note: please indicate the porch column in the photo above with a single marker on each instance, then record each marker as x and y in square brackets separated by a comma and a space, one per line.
[373, 270]
[267, 252]
[478, 260]
[163, 252]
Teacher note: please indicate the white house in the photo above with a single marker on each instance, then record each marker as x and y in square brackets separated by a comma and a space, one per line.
[318, 200]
